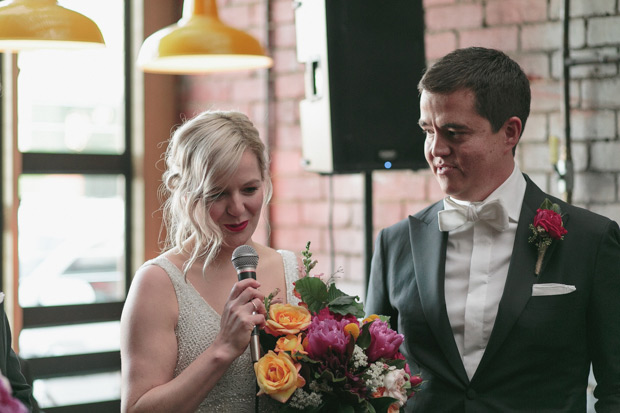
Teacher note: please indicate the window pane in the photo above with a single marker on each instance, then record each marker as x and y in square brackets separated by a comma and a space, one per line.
[70, 339]
[71, 239]
[73, 101]
[77, 389]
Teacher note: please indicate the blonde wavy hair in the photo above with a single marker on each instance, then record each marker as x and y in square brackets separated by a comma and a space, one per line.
[202, 157]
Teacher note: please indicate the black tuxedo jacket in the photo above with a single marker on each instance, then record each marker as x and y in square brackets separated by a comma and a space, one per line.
[539, 353]
[9, 364]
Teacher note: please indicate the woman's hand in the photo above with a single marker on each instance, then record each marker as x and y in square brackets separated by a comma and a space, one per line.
[244, 309]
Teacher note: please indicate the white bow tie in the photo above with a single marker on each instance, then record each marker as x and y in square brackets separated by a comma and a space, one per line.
[492, 212]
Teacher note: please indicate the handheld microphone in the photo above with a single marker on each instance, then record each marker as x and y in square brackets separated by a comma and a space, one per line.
[245, 260]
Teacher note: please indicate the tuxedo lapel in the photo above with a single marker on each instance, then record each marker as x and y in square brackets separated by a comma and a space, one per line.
[429, 254]
[521, 276]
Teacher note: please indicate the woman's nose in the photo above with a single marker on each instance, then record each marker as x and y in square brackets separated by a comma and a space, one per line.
[235, 205]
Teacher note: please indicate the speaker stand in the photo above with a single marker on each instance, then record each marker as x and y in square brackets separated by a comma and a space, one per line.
[368, 226]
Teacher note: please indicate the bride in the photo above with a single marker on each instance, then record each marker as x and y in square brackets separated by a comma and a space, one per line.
[187, 321]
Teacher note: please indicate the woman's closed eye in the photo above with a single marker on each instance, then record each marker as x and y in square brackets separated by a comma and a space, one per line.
[250, 190]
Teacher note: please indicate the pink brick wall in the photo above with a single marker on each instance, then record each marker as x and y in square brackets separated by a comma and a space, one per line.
[528, 30]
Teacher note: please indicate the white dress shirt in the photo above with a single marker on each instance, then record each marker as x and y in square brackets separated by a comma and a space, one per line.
[477, 261]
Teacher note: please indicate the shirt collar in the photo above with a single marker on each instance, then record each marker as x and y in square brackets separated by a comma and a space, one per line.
[510, 193]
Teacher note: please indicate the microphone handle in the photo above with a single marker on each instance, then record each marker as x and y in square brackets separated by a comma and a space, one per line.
[254, 341]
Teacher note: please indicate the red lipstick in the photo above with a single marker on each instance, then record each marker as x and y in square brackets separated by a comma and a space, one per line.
[236, 227]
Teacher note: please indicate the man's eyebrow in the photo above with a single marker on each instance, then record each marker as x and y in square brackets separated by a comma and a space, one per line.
[449, 125]
[458, 126]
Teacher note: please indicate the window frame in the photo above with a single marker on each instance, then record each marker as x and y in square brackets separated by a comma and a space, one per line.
[55, 163]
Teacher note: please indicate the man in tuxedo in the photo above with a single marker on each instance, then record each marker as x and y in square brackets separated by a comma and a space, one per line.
[459, 280]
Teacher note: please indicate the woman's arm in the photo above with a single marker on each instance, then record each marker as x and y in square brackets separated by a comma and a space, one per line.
[149, 345]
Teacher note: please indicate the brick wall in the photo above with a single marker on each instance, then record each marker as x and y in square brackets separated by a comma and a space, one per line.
[529, 30]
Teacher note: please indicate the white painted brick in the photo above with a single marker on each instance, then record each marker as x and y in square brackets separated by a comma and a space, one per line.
[540, 179]
[585, 71]
[611, 211]
[579, 152]
[546, 96]
[535, 157]
[603, 31]
[601, 93]
[594, 187]
[581, 8]
[535, 65]
[546, 36]
[535, 128]
[605, 156]
[585, 124]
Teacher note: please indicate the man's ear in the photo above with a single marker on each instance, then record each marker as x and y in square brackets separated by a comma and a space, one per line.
[512, 131]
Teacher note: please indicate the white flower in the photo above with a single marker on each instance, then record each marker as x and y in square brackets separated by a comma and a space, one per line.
[359, 358]
[374, 376]
[394, 382]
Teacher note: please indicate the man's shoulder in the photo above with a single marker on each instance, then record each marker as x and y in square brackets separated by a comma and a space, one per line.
[577, 216]
[426, 215]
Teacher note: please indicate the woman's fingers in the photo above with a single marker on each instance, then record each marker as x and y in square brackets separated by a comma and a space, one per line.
[240, 286]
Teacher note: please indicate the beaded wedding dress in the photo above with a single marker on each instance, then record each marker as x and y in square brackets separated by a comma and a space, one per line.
[197, 327]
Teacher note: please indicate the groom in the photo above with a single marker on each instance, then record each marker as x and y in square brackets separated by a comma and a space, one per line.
[459, 278]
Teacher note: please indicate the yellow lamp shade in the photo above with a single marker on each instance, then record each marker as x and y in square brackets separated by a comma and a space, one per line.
[200, 43]
[43, 24]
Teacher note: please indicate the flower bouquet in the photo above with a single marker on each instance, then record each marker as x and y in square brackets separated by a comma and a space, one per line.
[322, 356]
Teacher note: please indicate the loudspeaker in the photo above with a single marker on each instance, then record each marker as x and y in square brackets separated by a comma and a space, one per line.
[363, 61]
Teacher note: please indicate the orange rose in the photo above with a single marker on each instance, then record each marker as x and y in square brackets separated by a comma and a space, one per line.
[291, 343]
[278, 376]
[287, 319]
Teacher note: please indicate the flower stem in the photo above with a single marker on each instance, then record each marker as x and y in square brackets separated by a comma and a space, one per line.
[541, 254]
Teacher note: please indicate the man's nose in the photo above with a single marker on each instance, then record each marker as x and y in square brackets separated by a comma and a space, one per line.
[439, 146]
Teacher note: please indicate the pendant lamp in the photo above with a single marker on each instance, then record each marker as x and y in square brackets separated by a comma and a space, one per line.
[200, 43]
[43, 24]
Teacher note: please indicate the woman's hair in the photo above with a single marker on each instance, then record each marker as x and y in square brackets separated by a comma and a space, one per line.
[202, 157]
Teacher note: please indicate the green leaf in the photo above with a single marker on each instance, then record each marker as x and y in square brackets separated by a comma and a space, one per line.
[364, 338]
[313, 292]
[347, 304]
[328, 375]
[333, 292]
[368, 407]
[398, 363]
[547, 204]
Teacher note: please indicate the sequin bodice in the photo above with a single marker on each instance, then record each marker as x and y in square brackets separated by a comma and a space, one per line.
[197, 327]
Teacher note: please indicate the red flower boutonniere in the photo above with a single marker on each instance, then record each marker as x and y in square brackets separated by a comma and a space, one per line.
[547, 226]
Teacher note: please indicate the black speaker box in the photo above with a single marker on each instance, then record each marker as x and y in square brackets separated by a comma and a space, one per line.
[363, 60]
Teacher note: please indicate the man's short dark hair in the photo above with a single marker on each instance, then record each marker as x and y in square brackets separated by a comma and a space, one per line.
[499, 84]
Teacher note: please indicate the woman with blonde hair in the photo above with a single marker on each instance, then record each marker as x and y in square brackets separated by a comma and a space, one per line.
[187, 321]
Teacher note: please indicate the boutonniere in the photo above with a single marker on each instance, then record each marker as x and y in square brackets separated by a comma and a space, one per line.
[547, 226]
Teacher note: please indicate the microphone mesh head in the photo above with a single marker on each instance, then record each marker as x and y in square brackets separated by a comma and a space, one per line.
[244, 256]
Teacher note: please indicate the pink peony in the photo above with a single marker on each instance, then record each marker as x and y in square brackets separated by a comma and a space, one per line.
[325, 314]
[384, 342]
[325, 334]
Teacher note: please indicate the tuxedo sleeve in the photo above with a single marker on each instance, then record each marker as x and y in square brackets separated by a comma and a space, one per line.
[378, 294]
[10, 365]
[604, 322]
